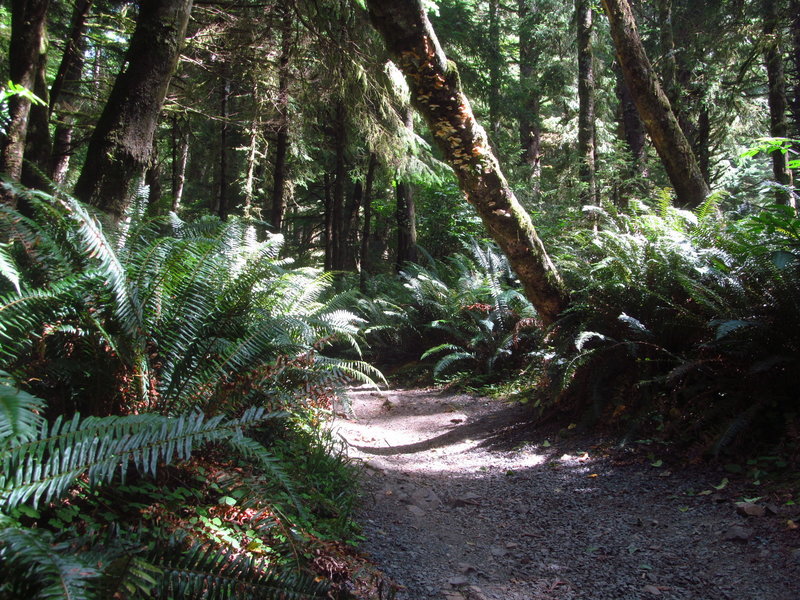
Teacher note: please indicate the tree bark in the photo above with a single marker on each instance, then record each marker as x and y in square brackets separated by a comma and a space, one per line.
[27, 36]
[36, 157]
[120, 147]
[278, 207]
[64, 92]
[654, 108]
[530, 129]
[778, 106]
[586, 111]
[437, 95]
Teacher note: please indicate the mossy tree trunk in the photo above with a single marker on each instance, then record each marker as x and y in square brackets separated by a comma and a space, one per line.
[27, 37]
[120, 146]
[436, 93]
[654, 108]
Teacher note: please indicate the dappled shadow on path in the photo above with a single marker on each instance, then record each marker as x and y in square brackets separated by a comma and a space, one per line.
[449, 516]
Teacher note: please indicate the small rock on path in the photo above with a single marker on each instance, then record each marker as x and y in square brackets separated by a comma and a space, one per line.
[448, 516]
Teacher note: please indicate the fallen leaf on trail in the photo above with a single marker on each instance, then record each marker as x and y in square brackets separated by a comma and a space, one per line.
[593, 475]
[749, 509]
[705, 493]
[657, 463]
[546, 444]
[651, 589]
[791, 524]
[722, 484]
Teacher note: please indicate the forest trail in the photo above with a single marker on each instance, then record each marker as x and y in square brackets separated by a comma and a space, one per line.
[462, 501]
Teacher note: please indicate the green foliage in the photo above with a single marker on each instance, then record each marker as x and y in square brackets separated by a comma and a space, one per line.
[192, 347]
[684, 325]
[466, 308]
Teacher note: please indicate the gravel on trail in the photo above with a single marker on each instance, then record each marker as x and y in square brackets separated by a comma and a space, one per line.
[451, 512]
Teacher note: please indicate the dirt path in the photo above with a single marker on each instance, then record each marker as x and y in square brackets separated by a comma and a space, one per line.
[452, 513]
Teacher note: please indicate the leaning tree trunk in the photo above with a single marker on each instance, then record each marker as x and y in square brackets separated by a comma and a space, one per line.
[586, 112]
[654, 108]
[120, 146]
[27, 35]
[436, 93]
[778, 107]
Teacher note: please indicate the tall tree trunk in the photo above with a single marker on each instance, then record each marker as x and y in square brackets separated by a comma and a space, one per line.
[495, 67]
[223, 199]
[350, 227]
[586, 112]
[250, 177]
[180, 156]
[64, 93]
[779, 125]
[152, 178]
[340, 174]
[278, 207]
[120, 146]
[436, 93]
[365, 231]
[654, 108]
[27, 37]
[530, 128]
[36, 158]
[406, 225]
[406, 211]
[329, 228]
[795, 10]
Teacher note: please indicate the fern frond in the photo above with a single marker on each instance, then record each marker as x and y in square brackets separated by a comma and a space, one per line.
[448, 361]
[209, 573]
[20, 413]
[44, 468]
[31, 555]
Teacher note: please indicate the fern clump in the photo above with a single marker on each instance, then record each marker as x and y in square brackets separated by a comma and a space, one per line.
[681, 324]
[154, 378]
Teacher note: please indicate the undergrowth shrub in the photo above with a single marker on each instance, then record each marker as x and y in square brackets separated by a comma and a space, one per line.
[681, 324]
[466, 311]
[199, 357]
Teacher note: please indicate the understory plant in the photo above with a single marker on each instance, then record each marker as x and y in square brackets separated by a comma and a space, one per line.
[154, 375]
[681, 324]
[467, 312]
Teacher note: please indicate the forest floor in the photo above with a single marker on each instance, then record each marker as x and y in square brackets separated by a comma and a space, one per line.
[465, 500]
